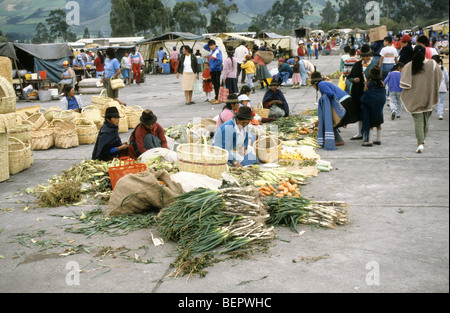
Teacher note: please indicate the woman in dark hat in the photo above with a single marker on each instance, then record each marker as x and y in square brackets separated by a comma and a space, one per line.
[231, 106]
[147, 135]
[233, 136]
[372, 104]
[109, 145]
[229, 73]
[355, 84]
[275, 101]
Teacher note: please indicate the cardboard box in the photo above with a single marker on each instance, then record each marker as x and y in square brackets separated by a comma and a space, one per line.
[378, 33]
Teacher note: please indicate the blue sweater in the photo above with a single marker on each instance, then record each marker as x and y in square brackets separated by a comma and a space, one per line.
[225, 138]
[215, 59]
[393, 79]
[329, 89]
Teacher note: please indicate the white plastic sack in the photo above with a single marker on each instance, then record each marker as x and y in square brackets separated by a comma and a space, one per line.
[166, 154]
[190, 181]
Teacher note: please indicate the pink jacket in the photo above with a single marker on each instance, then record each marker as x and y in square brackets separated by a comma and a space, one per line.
[229, 68]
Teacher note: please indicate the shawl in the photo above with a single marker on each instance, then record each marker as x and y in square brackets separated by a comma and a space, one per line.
[325, 135]
[420, 91]
[108, 138]
[278, 95]
[225, 138]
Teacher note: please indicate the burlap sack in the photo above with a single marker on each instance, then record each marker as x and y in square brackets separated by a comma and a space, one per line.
[266, 56]
[138, 193]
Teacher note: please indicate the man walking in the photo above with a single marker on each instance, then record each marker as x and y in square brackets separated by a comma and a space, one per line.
[215, 66]
[240, 54]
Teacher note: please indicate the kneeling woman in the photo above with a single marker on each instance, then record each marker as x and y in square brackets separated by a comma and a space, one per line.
[147, 135]
[233, 137]
[109, 145]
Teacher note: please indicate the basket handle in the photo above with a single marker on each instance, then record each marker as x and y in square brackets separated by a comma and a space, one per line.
[18, 140]
[259, 105]
[137, 106]
[123, 159]
[101, 92]
[84, 119]
[89, 107]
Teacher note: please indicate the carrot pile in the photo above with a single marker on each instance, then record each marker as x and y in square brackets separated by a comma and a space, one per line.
[303, 130]
[286, 187]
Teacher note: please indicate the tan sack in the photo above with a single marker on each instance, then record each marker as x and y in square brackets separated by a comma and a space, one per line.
[138, 193]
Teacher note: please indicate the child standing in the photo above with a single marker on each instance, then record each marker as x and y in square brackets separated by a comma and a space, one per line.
[296, 77]
[393, 81]
[207, 83]
[250, 70]
[443, 87]
[309, 49]
[372, 103]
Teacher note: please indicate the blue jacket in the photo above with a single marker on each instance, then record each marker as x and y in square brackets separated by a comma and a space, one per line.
[215, 59]
[393, 80]
[225, 138]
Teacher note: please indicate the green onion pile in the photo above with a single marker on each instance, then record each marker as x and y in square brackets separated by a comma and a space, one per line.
[203, 219]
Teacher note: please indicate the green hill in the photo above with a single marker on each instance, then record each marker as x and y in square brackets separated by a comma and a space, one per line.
[20, 17]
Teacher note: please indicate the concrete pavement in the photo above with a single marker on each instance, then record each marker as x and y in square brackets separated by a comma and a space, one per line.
[397, 239]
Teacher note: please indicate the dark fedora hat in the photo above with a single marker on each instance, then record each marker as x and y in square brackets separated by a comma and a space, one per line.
[274, 83]
[244, 113]
[316, 77]
[112, 112]
[232, 98]
[148, 118]
[365, 51]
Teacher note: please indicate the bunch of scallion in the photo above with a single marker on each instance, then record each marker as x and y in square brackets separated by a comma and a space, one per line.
[290, 211]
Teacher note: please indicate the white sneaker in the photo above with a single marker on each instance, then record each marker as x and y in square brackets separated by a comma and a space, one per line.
[441, 117]
[420, 149]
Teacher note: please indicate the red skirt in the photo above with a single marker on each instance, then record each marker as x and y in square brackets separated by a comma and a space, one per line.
[207, 86]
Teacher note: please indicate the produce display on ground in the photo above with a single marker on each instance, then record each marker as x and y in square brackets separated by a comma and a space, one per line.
[206, 224]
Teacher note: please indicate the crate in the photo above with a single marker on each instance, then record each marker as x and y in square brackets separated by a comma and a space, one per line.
[127, 166]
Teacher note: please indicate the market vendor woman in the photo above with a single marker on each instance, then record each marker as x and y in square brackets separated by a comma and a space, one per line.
[275, 101]
[233, 137]
[147, 135]
[70, 101]
[109, 145]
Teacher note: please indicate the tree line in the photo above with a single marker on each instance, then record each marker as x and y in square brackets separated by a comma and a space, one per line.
[147, 17]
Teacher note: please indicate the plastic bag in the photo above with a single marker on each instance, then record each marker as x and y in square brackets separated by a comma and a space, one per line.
[198, 88]
[341, 83]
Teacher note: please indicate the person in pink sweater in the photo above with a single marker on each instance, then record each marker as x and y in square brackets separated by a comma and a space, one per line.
[229, 72]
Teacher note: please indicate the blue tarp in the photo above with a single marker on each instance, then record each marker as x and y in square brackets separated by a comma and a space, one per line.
[53, 68]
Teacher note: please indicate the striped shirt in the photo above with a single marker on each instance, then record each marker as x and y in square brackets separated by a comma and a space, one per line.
[348, 65]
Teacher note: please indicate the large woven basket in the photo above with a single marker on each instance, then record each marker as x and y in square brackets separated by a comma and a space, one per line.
[7, 97]
[92, 113]
[22, 132]
[24, 113]
[111, 103]
[67, 115]
[261, 111]
[43, 139]
[50, 113]
[19, 155]
[87, 131]
[66, 135]
[100, 100]
[268, 149]
[36, 121]
[4, 164]
[202, 159]
[133, 115]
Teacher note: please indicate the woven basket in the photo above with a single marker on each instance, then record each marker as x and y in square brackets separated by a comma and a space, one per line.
[264, 113]
[68, 115]
[87, 131]
[36, 121]
[268, 149]
[6, 68]
[50, 113]
[101, 100]
[92, 113]
[4, 164]
[22, 132]
[123, 123]
[19, 156]
[7, 122]
[202, 159]
[133, 115]
[7, 97]
[43, 138]
[66, 135]
[111, 103]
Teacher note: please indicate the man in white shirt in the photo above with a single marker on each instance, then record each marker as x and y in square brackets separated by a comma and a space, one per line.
[240, 54]
[388, 57]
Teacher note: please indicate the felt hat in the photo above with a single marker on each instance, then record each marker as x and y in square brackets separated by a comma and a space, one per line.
[365, 51]
[244, 113]
[274, 83]
[230, 49]
[316, 77]
[112, 112]
[232, 98]
[148, 118]
[406, 38]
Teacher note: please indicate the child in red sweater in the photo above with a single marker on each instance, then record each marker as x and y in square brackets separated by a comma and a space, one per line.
[207, 83]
